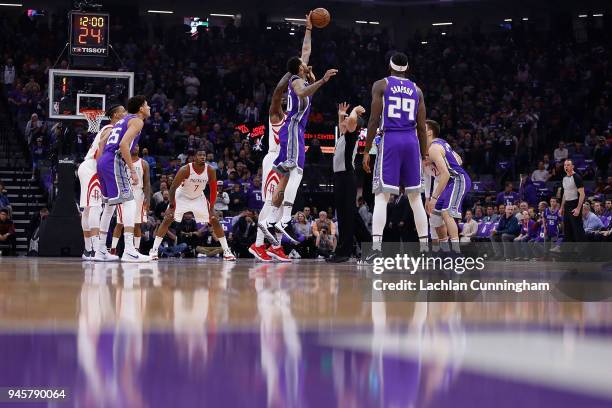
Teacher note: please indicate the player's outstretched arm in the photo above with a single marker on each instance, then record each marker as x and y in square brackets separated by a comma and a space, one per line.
[307, 43]
[276, 110]
[304, 91]
[421, 125]
[375, 113]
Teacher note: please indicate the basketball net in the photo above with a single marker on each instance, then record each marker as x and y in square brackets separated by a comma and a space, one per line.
[94, 118]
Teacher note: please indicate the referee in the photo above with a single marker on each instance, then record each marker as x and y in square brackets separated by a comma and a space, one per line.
[345, 184]
[571, 205]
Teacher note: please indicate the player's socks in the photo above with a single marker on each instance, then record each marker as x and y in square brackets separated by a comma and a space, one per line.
[223, 242]
[137, 243]
[435, 246]
[114, 242]
[286, 216]
[455, 245]
[156, 244]
[424, 244]
[128, 237]
[444, 245]
[377, 242]
[88, 244]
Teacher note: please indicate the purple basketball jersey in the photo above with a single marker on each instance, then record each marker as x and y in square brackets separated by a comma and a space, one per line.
[454, 168]
[400, 104]
[553, 219]
[297, 109]
[116, 135]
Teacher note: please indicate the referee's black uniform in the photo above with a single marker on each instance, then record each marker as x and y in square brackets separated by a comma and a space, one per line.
[573, 229]
[350, 223]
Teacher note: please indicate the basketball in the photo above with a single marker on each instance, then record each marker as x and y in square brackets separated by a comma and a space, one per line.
[320, 17]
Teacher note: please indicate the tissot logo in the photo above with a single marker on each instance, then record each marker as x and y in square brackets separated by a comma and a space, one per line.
[89, 50]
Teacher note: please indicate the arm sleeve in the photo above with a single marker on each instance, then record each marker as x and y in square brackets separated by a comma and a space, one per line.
[578, 181]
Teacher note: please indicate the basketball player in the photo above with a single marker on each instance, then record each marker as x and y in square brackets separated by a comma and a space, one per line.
[142, 195]
[91, 192]
[398, 103]
[271, 179]
[437, 229]
[117, 174]
[453, 183]
[187, 195]
[290, 160]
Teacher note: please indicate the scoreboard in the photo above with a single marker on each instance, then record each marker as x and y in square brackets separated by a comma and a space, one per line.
[89, 34]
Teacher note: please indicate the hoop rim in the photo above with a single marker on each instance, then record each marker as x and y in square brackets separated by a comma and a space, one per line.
[94, 118]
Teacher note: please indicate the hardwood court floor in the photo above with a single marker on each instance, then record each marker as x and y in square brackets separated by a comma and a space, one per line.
[288, 335]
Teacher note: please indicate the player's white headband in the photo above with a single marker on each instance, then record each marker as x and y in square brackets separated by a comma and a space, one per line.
[398, 68]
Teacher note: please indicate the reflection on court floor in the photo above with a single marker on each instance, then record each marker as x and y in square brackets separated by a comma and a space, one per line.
[210, 333]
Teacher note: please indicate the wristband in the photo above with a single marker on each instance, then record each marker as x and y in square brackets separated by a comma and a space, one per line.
[308, 29]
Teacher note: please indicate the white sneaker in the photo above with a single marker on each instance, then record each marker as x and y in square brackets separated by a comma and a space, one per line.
[133, 255]
[154, 255]
[228, 255]
[104, 256]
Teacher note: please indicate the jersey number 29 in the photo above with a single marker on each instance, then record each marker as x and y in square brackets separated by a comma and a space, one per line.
[403, 104]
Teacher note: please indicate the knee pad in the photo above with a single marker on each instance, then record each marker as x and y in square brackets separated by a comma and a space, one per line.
[295, 179]
[85, 219]
[94, 217]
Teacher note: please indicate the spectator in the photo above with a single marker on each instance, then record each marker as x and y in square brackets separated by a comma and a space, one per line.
[8, 77]
[192, 85]
[152, 163]
[237, 199]
[364, 212]
[223, 200]
[39, 152]
[608, 209]
[505, 232]
[251, 113]
[527, 233]
[188, 234]
[508, 196]
[303, 229]
[4, 200]
[598, 209]
[254, 196]
[560, 154]
[325, 243]
[244, 233]
[7, 232]
[469, 228]
[540, 174]
[601, 156]
[527, 191]
[490, 216]
[160, 209]
[590, 221]
[158, 197]
[478, 215]
[34, 129]
[323, 222]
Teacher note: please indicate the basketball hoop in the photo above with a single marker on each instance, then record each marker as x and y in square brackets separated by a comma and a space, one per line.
[94, 118]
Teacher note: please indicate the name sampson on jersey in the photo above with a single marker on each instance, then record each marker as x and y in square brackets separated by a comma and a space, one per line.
[448, 285]
[401, 89]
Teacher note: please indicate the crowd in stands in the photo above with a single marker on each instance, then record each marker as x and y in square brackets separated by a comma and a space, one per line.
[514, 104]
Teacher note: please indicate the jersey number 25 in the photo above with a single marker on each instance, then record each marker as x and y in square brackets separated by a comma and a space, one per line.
[403, 104]
[114, 136]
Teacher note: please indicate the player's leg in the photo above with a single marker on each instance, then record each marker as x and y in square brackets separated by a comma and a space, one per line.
[462, 185]
[86, 234]
[219, 234]
[161, 233]
[108, 185]
[137, 236]
[289, 194]
[410, 176]
[117, 231]
[385, 182]
[94, 212]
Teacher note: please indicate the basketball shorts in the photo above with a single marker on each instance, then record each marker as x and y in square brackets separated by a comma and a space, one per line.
[453, 195]
[269, 176]
[292, 152]
[141, 214]
[398, 163]
[91, 191]
[198, 206]
[114, 179]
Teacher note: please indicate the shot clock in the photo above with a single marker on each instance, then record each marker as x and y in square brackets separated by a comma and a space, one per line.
[88, 34]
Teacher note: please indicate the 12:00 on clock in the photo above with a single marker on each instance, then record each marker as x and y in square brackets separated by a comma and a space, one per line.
[88, 34]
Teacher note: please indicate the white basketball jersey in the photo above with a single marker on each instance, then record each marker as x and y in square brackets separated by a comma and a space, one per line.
[140, 172]
[273, 129]
[193, 186]
[91, 153]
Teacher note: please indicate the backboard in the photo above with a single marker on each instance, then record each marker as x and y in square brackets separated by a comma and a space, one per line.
[70, 91]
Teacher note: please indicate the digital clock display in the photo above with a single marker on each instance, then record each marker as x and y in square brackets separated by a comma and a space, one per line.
[88, 34]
